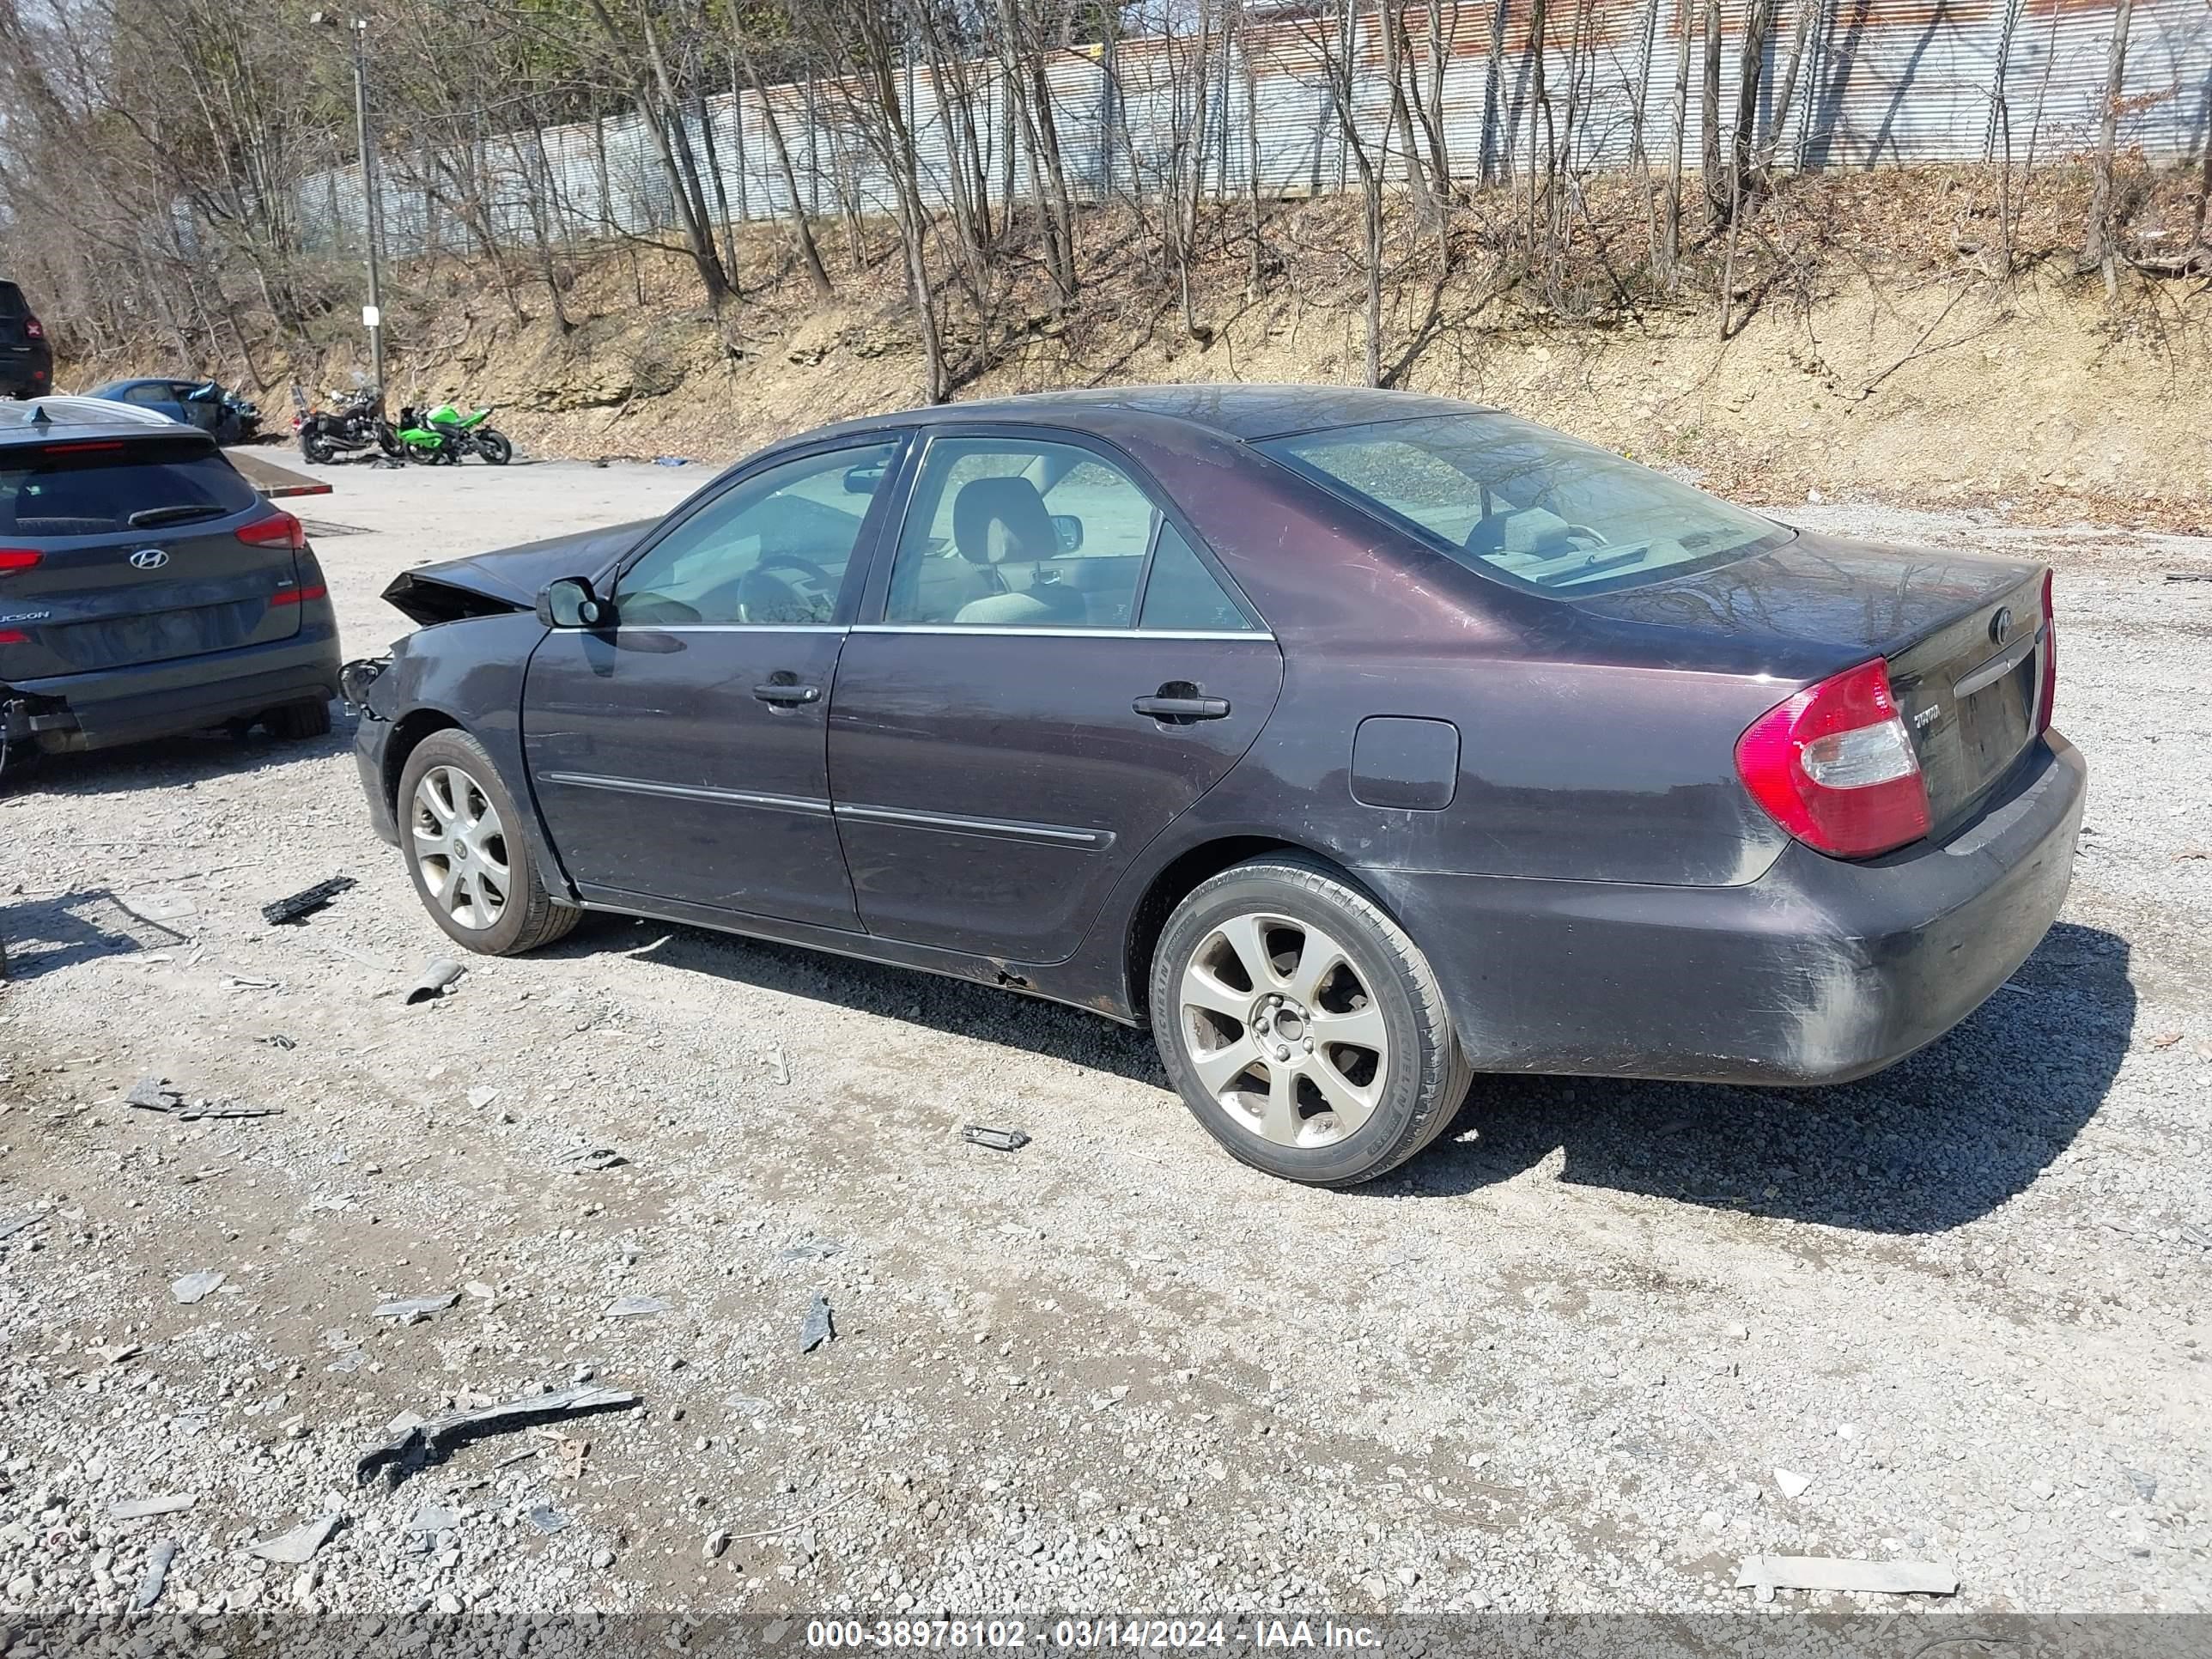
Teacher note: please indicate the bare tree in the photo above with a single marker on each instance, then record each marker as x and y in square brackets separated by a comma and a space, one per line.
[2097, 240]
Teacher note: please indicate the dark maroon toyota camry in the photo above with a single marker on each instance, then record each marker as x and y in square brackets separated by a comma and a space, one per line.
[1358, 742]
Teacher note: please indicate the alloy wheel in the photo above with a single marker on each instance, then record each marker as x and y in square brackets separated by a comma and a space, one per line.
[460, 848]
[1283, 1030]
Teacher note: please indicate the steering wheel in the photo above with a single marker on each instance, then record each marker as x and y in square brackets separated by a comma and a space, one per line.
[763, 598]
[1584, 533]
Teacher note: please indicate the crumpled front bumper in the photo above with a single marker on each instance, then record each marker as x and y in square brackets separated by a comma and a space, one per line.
[372, 736]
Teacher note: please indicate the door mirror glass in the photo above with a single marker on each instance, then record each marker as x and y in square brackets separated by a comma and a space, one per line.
[570, 603]
[1068, 529]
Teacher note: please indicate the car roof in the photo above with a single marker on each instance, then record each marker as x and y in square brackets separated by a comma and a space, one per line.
[1241, 411]
[84, 417]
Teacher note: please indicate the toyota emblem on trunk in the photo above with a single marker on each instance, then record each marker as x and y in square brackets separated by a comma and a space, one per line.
[2000, 625]
[149, 558]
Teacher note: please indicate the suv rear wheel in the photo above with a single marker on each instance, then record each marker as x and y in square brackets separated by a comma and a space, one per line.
[1301, 1026]
[469, 856]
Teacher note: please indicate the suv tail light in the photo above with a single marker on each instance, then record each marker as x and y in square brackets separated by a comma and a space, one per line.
[2048, 698]
[35, 329]
[13, 559]
[279, 529]
[1835, 767]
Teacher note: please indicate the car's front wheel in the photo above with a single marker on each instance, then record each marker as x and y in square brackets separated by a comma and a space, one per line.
[461, 832]
[1302, 1025]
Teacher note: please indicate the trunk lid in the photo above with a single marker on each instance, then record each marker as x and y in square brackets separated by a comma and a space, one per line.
[1963, 634]
[87, 589]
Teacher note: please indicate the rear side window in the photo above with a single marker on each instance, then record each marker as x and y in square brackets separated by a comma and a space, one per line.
[1182, 595]
[1519, 502]
[12, 305]
[109, 489]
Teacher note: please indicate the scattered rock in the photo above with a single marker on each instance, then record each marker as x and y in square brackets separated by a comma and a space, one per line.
[411, 1308]
[818, 1327]
[137, 1508]
[194, 1287]
[157, 1574]
[297, 1547]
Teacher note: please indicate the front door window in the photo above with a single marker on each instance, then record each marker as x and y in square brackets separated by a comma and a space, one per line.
[772, 552]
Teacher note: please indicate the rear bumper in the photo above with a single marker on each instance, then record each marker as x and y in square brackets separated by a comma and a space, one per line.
[1820, 971]
[113, 706]
[26, 371]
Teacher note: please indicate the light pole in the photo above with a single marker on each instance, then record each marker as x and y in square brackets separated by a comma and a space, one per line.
[372, 314]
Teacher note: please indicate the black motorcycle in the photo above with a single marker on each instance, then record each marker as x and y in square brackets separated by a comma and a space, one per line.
[350, 425]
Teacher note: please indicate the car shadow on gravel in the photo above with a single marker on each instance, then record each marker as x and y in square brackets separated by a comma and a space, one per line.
[1933, 1143]
[982, 1012]
[190, 758]
[43, 936]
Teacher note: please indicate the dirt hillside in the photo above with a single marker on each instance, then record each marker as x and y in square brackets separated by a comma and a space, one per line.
[1872, 353]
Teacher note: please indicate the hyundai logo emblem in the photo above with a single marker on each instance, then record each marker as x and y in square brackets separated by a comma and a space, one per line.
[149, 558]
[2000, 625]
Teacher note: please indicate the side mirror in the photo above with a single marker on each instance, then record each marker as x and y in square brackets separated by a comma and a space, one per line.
[570, 603]
[1068, 529]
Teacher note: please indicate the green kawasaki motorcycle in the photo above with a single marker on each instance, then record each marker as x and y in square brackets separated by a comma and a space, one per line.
[443, 435]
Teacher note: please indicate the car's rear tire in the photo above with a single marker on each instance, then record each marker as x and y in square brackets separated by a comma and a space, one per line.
[467, 852]
[1301, 1025]
[310, 717]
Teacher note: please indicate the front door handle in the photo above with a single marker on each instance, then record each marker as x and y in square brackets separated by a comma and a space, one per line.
[789, 695]
[1179, 710]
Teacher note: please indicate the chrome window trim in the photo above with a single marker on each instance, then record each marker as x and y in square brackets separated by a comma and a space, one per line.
[957, 629]
[725, 627]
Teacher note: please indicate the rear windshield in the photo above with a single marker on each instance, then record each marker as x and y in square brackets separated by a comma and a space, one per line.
[1514, 499]
[11, 300]
[115, 487]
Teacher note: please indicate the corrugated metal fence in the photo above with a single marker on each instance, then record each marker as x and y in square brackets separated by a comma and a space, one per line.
[1881, 81]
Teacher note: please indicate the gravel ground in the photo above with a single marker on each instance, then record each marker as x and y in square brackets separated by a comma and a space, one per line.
[1573, 1360]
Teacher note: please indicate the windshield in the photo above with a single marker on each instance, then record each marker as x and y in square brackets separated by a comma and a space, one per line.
[1512, 499]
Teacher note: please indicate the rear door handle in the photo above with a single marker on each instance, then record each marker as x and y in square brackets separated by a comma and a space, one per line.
[1182, 709]
[787, 693]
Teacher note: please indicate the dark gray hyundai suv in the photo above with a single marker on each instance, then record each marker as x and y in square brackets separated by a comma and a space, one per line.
[147, 589]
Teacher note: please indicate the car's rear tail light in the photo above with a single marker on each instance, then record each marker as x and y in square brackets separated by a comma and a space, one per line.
[35, 329]
[298, 595]
[13, 559]
[14, 636]
[2047, 696]
[279, 529]
[1835, 767]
